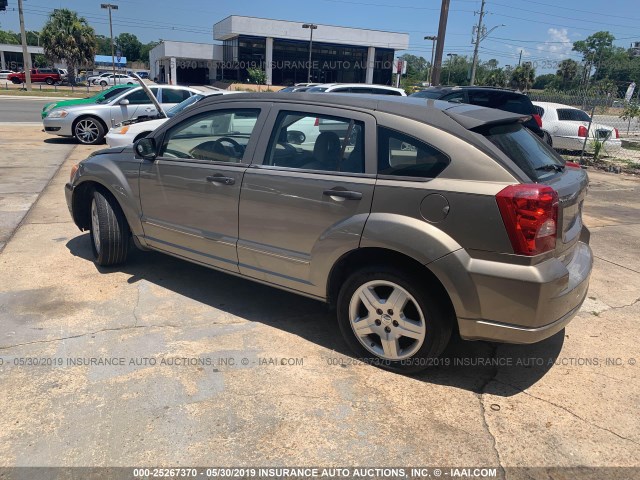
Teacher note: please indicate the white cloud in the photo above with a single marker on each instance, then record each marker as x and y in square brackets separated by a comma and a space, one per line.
[558, 45]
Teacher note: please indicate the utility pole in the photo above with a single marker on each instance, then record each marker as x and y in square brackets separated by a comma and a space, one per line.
[433, 39]
[311, 28]
[442, 31]
[520, 58]
[26, 57]
[479, 28]
[110, 6]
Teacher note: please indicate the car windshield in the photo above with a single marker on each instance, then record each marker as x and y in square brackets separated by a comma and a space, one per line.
[526, 150]
[109, 94]
[427, 94]
[184, 104]
[317, 89]
[573, 115]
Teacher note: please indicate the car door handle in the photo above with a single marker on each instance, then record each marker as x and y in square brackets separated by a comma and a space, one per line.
[221, 179]
[347, 194]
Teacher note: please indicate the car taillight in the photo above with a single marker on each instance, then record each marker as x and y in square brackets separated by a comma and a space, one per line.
[538, 119]
[530, 215]
[617, 133]
[317, 122]
[572, 165]
[582, 131]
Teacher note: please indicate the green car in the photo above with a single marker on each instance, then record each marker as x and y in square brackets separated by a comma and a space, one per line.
[98, 98]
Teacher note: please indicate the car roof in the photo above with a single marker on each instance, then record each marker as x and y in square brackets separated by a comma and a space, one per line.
[453, 88]
[446, 115]
[365, 85]
[555, 105]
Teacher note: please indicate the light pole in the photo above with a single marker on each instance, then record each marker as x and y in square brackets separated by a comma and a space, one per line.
[433, 39]
[311, 28]
[26, 56]
[450, 55]
[110, 6]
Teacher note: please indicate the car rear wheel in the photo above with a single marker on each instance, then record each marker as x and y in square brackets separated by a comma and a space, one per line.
[547, 139]
[16, 80]
[48, 81]
[388, 316]
[103, 83]
[109, 230]
[89, 131]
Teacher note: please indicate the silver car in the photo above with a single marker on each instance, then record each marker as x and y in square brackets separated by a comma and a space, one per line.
[89, 123]
[412, 218]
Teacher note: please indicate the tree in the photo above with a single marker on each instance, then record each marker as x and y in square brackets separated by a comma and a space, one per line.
[129, 46]
[543, 81]
[65, 36]
[523, 76]
[631, 111]
[595, 50]
[416, 66]
[146, 48]
[567, 72]
[9, 37]
[257, 76]
[495, 78]
[103, 45]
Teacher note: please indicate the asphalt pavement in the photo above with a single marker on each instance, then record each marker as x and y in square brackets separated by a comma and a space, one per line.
[22, 109]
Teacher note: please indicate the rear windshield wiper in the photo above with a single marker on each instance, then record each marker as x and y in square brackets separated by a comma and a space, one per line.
[550, 167]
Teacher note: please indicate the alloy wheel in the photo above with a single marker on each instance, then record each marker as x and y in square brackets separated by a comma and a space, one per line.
[87, 131]
[387, 320]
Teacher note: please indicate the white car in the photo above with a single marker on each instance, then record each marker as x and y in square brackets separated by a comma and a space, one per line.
[117, 79]
[363, 88]
[93, 78]
[4, 73]
[132, 130]
[565, 128]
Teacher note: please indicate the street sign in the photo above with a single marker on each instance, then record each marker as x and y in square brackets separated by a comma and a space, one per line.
[399, 66]
[118, 56]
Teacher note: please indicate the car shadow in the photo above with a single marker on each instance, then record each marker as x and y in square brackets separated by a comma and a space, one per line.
[480, 367]
[62, 141]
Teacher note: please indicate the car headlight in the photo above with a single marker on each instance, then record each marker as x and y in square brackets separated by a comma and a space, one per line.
[58, 114]
[49, 107]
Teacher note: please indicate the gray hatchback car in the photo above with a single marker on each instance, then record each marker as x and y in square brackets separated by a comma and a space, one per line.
[412, 218]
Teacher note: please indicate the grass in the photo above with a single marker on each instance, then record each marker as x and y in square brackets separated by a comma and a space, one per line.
[47, 93]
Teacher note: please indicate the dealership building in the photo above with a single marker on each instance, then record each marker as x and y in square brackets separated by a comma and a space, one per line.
[281, 49]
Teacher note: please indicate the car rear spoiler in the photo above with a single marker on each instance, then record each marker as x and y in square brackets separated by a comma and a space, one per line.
[152, 97]
[472, 117]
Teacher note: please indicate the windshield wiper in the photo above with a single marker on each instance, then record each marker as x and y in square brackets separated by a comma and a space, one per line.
[551, 167]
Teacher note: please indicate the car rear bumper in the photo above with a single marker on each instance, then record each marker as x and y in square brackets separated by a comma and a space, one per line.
[515, 303]
[575, 143]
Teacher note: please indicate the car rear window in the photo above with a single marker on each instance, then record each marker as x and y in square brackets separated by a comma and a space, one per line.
[425, 94]
[526, 150]
[507, 101]
[317, 89]
[573, 115]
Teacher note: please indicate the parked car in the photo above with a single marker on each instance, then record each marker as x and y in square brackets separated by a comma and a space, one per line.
[566, 128]
[89, 123]
[295, 88]
[413, 223]
[91, 80]
[132, 130]
[38, 75]
[491, 97]
[115, 79]
[5, 73]
[64, 74]
[97, 99]
[363, 88]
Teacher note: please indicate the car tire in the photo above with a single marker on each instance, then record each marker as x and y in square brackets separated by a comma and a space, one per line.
[109, 230]
[103, 83]
[89, 131]
[48, 81]
[414, 334]
[547, 139]
[16, 81]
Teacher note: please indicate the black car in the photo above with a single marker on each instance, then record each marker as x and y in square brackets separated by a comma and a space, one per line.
[490, 97]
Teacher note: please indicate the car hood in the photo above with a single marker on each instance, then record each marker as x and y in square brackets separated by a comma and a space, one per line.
[68, 103]
[106, 151]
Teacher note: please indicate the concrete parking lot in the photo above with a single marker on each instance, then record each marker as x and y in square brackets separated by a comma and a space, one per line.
[161, 362]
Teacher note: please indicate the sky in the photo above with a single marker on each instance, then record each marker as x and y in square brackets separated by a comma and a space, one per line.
[543, 30]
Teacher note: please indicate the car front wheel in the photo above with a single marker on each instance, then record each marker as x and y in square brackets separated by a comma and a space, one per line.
[109, 230]
[103, 83]
[48, 81]
[89, 131]
[389, 317]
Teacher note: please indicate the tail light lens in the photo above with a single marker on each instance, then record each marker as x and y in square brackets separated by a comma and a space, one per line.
[317, 122]
[572, 165]
[582, 131]
[617, 133]
[530, 215]
[538, 119]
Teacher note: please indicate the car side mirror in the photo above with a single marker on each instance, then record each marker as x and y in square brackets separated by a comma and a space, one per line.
[124, 101]
[146, 148]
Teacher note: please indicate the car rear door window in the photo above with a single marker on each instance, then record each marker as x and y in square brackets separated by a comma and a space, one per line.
[170, 95]
[457, 97]
[215, 136]
[140, 97]
[405, 156]
[316, 142]
[573, 115]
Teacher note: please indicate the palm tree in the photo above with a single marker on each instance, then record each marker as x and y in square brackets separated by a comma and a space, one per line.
[68, 37]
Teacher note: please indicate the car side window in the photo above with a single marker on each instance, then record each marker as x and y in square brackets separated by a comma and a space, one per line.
[170, 95]
[406, 156]
[316, 142]
[216, 136]
[140, 97]
[457, 97]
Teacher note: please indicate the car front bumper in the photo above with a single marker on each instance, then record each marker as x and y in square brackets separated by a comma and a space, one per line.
[118, 139]
[515, 303]
[58, 126]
